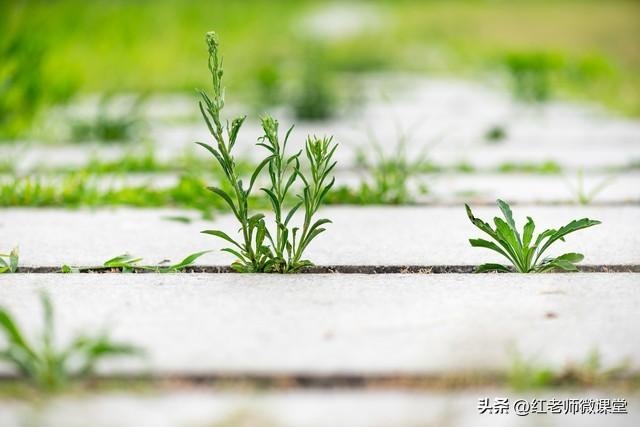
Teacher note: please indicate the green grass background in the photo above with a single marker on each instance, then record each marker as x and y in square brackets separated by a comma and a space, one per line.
[158, 45]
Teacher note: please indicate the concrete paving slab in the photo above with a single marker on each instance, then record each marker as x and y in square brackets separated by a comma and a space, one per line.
[358, 235]
[303, 409]
[448, 117]
[527, 188]
[446, 153]
[342, 324]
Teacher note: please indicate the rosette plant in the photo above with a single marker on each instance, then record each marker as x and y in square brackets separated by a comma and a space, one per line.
[524, 251]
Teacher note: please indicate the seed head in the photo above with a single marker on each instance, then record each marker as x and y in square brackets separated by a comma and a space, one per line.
[212, 42]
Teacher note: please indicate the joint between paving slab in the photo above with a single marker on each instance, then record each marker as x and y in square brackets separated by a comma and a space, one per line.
[301, 381]
[338, 269]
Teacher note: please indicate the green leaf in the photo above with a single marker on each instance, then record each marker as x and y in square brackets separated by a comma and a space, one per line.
[225, 197]
[291, 213]
[221, 160]
[13, 260]
[318, 223]
[510, 243]
[124, 260]
[235, 128]
[481, 243]
[256, 172]
[528, 232]
[187, 261]
[222, 235]
[275, 203]
[235, 253]
[573, 226]
[484, 268]
[204, 113]
[13, 334]
[508, 215]
[555, 264]
[481, 224]
[571, 257]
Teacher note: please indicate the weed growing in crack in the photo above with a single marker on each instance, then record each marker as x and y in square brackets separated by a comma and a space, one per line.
[548, 167]
[127, 263]
[391, 175]
[83, 190]
[526, 374]
[258, 249]
[583, 196]
[9, 262]
[531, 74]
[523, 251]
[107, 126]
[315, 99]
[496, 134]
[49, 367]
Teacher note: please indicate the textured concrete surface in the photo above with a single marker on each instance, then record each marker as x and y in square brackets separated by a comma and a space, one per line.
[322, 324]
[304, 409]
[525, 188]
[362, 235]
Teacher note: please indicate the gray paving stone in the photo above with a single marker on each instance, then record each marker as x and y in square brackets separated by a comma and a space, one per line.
[302, 409]
[447, 117]
[352, 324]
[362, 235]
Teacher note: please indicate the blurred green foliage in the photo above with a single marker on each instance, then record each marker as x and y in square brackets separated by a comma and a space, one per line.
[580, 49]
[530, 74]
[315, 96]
[107, 125]
[24, 88]
[75, 190]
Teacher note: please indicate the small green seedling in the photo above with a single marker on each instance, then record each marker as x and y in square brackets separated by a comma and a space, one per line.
[391, 173]
[109, 127]
[524, 251]
[176, 268]
[128, 264]
[69, 269]
[50, 367]
[259, 249]
[125, 262]
[495, 134]
[315, 98]
[529, 374]
[531, 74]
[9, 263]
[584, 196]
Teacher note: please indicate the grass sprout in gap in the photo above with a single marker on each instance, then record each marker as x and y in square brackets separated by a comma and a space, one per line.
[525, 252]
[48, 366]
[9, 262]
[127, 263]
[259, 249]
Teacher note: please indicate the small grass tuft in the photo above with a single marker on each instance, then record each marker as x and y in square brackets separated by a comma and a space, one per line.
[531, 74]
[107, 126]
[9, 263]
[529, 375]
[495, 134]
[583, 196]
[127, 263]
[51, 368]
